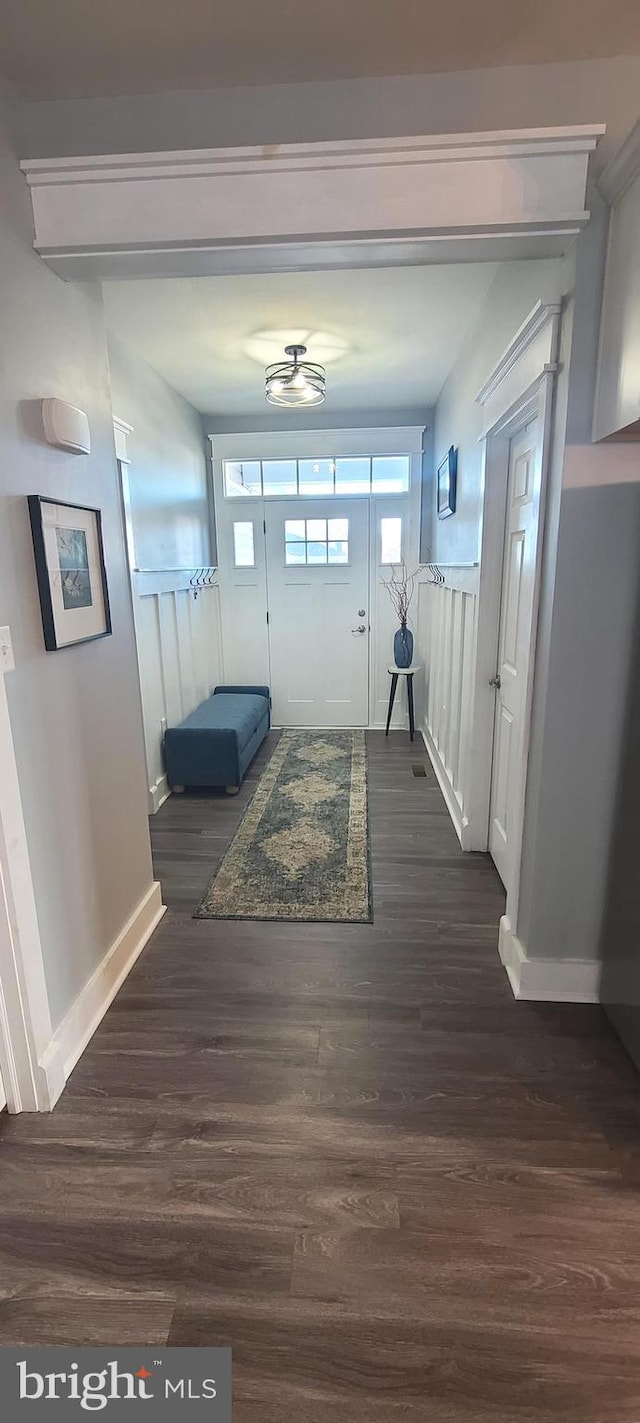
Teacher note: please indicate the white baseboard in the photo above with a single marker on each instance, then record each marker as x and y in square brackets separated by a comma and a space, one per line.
[77, 1028]
[51, 1078]
[547, 980]
[158, 794]
[444, 783]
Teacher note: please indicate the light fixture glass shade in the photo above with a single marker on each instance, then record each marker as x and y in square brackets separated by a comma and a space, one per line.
[296, 381]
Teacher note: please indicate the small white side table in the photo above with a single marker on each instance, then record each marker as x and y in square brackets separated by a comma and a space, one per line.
[394, 673]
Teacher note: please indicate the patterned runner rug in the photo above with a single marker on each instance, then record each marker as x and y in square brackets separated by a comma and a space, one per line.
[302, 848]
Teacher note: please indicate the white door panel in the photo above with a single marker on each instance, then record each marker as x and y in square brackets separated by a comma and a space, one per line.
[514, 645]
[319, 661]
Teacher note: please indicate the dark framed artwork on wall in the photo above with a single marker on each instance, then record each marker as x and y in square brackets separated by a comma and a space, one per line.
[446, 484]
[72, 580]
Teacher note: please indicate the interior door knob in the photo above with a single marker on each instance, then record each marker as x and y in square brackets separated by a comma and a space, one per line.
[496, 681]
[360, 629]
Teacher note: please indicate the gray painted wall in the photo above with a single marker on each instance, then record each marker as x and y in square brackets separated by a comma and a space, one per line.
[510, 97]
[75, 713]
[167, 475]
[458, 419]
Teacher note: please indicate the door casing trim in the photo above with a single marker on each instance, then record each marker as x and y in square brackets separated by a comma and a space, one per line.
[521, 396]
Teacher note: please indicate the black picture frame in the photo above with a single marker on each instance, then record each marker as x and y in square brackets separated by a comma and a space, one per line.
[447, 481]
[56, 581]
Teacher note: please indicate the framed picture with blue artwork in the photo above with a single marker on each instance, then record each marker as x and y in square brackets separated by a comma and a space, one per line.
[447, 481]
[72, 581]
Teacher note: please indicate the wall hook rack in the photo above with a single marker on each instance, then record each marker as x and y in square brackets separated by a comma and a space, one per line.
[202, 578]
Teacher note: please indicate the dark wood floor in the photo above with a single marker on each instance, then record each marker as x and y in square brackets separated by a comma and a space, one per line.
[344, 1150]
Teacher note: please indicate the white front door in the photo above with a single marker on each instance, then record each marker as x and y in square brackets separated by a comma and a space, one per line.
[514, 647]
[318, 601]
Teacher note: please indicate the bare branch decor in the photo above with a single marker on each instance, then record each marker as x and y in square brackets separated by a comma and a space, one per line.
[401, 587]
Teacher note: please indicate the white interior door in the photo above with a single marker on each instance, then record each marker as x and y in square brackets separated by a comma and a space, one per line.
[514, 647]
[318, 602]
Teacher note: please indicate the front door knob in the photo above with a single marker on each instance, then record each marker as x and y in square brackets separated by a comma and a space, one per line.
[360, 629]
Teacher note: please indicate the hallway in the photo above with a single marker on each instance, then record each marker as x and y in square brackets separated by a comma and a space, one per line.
[345, 1150]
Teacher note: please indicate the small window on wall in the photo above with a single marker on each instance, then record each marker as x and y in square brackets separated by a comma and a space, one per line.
[243, 550]
[316, 476]
[391, 540]
[325, 477]
[316, 541]
[242, 477]
[353, 475]
[390, 474]
[279, 477]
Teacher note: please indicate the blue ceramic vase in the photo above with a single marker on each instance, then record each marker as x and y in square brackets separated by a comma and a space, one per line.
[403, 647]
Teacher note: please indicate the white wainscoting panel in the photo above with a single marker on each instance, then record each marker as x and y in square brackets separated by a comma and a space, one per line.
[447, 647]
[180, 661]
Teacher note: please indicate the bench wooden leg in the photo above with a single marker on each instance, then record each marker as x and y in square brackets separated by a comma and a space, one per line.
[232, 790]
[178, 790]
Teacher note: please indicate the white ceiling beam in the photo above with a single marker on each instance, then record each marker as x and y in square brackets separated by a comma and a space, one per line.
[267, 208]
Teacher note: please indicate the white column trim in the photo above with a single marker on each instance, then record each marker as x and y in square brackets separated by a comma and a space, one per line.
[32, 1073]
[120, 432]
[547, 980]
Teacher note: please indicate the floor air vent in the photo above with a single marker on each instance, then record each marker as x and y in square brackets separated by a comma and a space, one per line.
[419, 770]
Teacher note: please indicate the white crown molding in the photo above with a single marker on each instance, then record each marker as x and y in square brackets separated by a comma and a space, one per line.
[301, 157]
[524, 337]
[547, 980]
[173, 212]
[621, 171]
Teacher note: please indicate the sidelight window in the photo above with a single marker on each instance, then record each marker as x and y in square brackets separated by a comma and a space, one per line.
[243, 548]
[391, 540]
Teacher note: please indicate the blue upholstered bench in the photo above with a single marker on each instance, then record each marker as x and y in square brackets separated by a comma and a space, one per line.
[218, 741]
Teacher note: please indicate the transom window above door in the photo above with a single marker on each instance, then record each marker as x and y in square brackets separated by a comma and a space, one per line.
[290, 478]
[316, 541]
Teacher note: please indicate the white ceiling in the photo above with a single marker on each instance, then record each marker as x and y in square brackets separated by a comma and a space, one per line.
[388, 337]
[66, 48]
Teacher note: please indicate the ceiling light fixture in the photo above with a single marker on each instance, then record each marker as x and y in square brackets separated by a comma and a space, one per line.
[296, 381]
